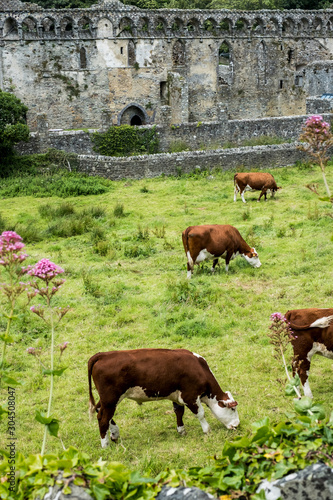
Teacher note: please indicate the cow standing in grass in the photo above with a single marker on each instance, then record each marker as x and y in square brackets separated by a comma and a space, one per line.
[144, 375]
[215, 241]
[313, 329]
[254, 181]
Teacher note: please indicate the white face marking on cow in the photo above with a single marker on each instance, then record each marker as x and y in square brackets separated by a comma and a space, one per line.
[114, 432]
[203, 255]
[105, 441]
[227, 416]
[253, 261]
[201, 416]
[323, 322]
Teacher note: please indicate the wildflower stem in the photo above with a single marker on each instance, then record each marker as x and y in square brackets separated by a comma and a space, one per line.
[10, 318]
[51, 384]
[287, 372]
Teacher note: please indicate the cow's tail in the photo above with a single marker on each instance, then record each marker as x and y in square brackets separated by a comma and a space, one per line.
[186, 247]
[92, 404]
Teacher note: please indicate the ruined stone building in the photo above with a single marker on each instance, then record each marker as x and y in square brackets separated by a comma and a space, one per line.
[115, 64]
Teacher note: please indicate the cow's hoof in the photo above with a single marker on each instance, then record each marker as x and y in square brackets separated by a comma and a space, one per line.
[114, 439]
[181, 431]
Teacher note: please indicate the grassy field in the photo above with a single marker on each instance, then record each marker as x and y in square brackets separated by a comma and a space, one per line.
[127, 288]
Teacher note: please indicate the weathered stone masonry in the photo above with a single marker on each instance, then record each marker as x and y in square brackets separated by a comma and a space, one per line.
[113, 64]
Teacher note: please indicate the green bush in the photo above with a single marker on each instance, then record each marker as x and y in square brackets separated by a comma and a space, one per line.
[125, 140]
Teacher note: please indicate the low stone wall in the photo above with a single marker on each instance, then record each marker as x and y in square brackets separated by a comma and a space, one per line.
[139, 167]
[195, 136]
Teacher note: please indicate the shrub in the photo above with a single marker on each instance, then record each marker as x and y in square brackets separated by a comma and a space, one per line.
[125, 140]
[178, 147]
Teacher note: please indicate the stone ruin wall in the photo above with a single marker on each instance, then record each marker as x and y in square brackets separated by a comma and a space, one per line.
[113, 64]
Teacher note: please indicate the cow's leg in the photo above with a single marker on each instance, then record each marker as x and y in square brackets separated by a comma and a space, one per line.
[179, 411]
[242, 195]
[301, 365]
[106, 422]
[198, 411]
[263, 192]
[215, 261]
[236, 191]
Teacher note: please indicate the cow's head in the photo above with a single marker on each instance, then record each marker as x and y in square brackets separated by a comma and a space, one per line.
[252, 258]
[226, 412]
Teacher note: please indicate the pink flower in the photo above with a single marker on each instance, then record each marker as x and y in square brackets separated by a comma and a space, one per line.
[10, 246]
[63, 346]
[45, 270]
[278, 317]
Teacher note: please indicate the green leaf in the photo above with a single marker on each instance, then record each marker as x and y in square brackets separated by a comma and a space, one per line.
[51, 423]
[303, 405]
[10, 380]
[100, 491]
[318, 411]
[264, 422]
[294, 382]
[5, 337]
[57, 373]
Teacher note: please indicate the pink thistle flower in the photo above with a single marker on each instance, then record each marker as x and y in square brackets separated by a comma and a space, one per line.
[31, 350]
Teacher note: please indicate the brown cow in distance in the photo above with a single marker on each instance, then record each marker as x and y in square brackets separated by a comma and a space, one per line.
[214, 241]
[313, 329]
[144, 375]
[254, 181]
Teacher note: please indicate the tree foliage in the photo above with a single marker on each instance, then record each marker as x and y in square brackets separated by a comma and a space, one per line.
[13, 128]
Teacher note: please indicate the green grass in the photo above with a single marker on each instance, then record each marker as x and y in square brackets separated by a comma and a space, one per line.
[127, 288]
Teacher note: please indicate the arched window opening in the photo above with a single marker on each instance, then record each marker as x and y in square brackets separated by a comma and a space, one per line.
[10, 27]
[133, 114]
[224, 54]
[83, 58]
[136, 120]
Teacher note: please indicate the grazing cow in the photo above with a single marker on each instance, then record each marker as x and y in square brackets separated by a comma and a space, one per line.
[254, 181]
[144, 375]
[214, 241]
[313, 335]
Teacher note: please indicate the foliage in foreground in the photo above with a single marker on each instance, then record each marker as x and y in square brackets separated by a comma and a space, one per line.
[271, 452]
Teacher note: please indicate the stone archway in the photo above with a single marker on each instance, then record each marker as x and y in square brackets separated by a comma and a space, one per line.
[133, 114]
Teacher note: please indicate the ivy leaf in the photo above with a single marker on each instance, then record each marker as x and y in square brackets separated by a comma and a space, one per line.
[51, 423]
[100, 491]
[57, 373]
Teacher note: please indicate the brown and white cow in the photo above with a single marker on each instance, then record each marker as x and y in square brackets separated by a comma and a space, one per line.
[144, 375]
[254, 181]
[214, 241]
[313, 335]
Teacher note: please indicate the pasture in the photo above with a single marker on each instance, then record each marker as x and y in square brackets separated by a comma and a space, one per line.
[127, 288]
